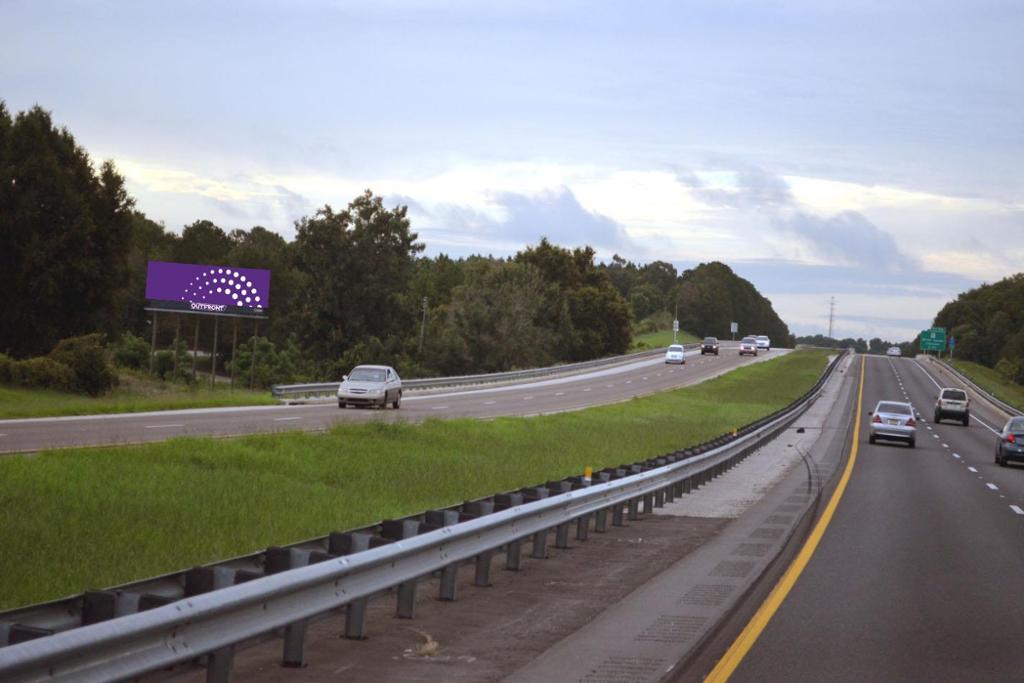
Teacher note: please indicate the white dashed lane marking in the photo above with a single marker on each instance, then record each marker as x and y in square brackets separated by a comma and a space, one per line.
[586, 389]
[1017, 509]
[945, 445]
[286, 419]
[956, 455]
[527, 398]
[559, 393]
[992, 486]
[972, 469]
[489, 403]
[162, 426]
[439, 408]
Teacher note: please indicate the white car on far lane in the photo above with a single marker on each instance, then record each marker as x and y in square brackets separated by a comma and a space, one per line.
[763, 342]
[370, 385]
[675, 354]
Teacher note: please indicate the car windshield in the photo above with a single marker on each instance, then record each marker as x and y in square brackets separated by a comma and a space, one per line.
[896, 408]
[675, 349]
[762, 338]
[748, 340]
[710, 340]
[367, 375]
[954, 395]
[1015, 425]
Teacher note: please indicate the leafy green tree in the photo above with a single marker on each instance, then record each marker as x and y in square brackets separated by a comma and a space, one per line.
[65, 234]
[204, 243]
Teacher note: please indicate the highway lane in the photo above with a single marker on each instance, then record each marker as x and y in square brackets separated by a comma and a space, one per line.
[918, 576]
[573, 392]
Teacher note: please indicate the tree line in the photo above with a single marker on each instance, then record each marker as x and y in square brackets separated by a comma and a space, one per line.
[352, 286]
[987, 323]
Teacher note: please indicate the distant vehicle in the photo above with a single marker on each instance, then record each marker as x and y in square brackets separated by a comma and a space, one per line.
[370, 385]
[710, 345]
[748, 345]
[763, 342]
[675, 354]
[893, 420]
[894, 351]
[953, 404]
[1010, 445]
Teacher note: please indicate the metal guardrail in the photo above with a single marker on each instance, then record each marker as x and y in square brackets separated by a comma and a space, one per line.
[321, 388]
[300, 583]
[991, 398]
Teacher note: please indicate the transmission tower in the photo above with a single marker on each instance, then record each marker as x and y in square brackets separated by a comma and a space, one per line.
[831, 314]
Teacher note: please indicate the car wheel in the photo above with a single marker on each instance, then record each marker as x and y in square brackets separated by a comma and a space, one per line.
[967, 420]
[936, 418]
[871, 439]
[341, 405]
[397, 403]
[1000, 460]
[913, 443]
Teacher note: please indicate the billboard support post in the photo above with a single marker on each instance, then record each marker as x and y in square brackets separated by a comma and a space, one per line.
[234, 356]
[213, 358]
[177, 336]
[195, 349]
[152, 347]
[252, 368]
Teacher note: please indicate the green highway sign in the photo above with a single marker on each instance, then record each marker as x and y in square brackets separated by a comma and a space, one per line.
[933, 339]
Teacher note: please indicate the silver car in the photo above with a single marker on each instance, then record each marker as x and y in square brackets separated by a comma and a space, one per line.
[675, 354]
[748, 345]
[370, 385]
[893, 420]
[763, 342]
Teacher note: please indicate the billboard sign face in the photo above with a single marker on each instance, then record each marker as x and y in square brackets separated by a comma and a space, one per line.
[215, 290]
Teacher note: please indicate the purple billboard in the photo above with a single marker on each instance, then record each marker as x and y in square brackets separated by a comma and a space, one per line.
[218, 290]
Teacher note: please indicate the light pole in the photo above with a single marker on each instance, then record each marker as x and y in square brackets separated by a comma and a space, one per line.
[423, 326]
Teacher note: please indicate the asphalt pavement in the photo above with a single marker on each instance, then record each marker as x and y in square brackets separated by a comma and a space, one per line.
[572, 392]
[918, 576]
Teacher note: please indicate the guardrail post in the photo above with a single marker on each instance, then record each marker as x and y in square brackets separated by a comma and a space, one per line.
[407, 599]
[617, 515]
[659, 498]
[482, 576]
[219, 665]
[448, 578]
[562, 535]
[540, 545]
[648, 503]
[583, 528]
[670, 493]
[355, 619]
[634, 509]
[513, 555]
[601, 521]
[294, 640]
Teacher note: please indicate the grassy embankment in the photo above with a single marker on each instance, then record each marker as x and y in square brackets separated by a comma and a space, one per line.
[136, 393]
[660, 340]
[992, 382]
[77, 519]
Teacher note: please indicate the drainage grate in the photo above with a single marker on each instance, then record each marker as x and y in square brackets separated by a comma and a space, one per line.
[616, 669]
[732, 569]
[707, 595]
[766, 533]
[752, 549]
[672, 629]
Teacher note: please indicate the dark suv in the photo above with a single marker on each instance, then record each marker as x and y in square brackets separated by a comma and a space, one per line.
[710, 345]
[953, 404]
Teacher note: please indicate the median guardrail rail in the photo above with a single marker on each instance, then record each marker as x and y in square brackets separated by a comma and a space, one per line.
[991, 398]
[200, 617]
[295, 391]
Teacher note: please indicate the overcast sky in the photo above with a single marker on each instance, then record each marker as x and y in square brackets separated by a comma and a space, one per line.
[867, 150]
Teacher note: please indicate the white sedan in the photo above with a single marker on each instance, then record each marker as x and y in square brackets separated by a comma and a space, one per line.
[675, 354]
[370, 385]
[763, 342]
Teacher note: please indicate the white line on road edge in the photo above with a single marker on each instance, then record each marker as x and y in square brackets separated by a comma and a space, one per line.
[161, 426]
[286, 419]
[559, 393]
[527, 398]
[439, 408]
[1017, 510]
[489, 403]
[972, 469]
[992, 486]
[587, 389]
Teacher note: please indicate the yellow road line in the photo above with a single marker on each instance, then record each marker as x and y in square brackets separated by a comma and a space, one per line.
[739, 649]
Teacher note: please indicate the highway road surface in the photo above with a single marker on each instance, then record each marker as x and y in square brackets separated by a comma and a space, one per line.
[573, 392]
[920, 574]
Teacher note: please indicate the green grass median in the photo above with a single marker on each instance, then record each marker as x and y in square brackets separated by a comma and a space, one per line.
[72, 520]
[992, 382]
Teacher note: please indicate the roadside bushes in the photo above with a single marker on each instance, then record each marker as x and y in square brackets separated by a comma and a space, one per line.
[273, 365]
[130, 352]
[76, 364]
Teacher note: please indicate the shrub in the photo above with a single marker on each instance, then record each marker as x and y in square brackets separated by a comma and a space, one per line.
[90, 366]
[6, 366]
[273, 366]
[130, 351]
[42, 373]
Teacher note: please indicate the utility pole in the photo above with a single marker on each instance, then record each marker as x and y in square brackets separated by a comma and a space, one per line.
[675, 325]
[423, 326]
[831, 314]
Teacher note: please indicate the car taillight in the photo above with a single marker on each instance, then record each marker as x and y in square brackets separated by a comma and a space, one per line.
[876, 419]
[1011, 438]
[911, 423]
